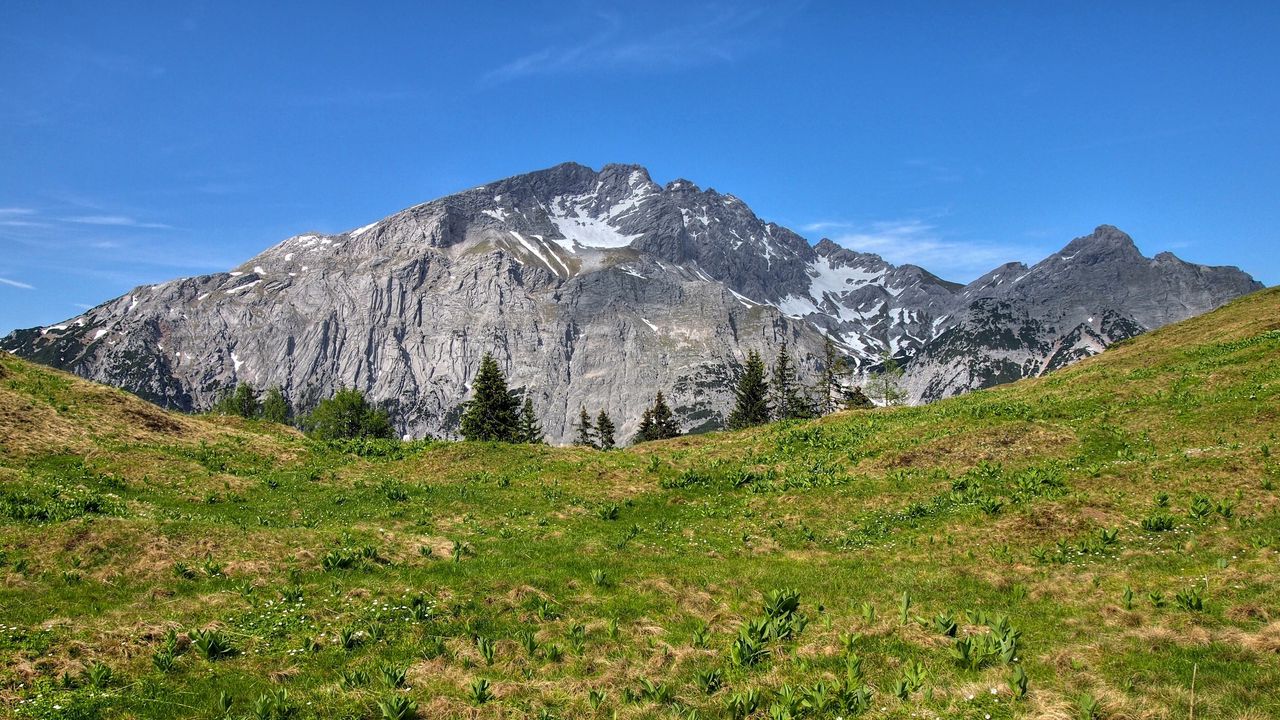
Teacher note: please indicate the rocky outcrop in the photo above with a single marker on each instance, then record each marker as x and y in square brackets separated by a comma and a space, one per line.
[596, 289]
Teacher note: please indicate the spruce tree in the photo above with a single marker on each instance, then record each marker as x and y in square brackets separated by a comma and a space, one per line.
[664, 423]
[604, 431]
[275, 408]
[645, 431]
[491, 413]
[586, 433]
[529, 431]
[833, 368]
[751, 395]
[789, 402]
[885, 384]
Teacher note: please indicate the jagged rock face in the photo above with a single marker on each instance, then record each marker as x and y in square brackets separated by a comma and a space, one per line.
[1017, 322]
[597, 289]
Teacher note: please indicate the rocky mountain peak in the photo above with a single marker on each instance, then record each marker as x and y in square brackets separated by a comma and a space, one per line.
[1106, 241]
[597, 288]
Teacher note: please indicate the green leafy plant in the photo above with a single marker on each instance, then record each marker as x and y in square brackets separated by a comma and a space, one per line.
[1088, 707]
[398, 707]
[1018, 682]
[1200, 508]
[211, 644]
[709, 681]
[273, 706]
[742, 704]
[487, 648]
[945, 624]
[480, 691]
[393, 676]
[98, 674]
[1190, 599]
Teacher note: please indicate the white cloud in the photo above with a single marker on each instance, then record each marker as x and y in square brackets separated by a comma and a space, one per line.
[15, 283]
[721, 36]
[919, 242]
[117, 221]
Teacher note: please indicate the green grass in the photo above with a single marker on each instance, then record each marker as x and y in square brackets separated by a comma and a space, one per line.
[161, 566]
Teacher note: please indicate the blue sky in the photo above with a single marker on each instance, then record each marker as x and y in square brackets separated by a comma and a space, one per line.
[141, 142]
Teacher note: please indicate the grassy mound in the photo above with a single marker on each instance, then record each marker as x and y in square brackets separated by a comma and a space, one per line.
[1102, 542]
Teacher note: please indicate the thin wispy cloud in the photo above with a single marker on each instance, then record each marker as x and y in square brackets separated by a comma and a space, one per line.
[920, 242]
[615, 43]
[15, 283]
[117, 221]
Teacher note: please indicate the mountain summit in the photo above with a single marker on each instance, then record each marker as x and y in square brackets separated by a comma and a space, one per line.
[597, 288]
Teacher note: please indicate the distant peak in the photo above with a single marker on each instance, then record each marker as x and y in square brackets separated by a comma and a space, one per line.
[1105, 239]
[682, 185]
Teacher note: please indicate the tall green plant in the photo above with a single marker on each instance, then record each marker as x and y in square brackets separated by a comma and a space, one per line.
[492, 412]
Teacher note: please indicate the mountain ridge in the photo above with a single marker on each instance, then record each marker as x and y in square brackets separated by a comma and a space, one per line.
[597, 288]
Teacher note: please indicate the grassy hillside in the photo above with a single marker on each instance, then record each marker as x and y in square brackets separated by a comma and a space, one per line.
[1110, 531]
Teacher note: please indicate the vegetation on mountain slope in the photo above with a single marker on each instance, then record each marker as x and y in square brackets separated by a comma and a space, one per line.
[1102, 542]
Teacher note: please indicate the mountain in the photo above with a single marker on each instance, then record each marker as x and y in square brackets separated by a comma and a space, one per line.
[597, 289]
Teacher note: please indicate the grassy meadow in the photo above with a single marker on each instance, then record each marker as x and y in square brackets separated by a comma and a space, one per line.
[1103, 542]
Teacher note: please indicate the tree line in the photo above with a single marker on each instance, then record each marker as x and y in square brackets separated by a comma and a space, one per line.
[495, 413]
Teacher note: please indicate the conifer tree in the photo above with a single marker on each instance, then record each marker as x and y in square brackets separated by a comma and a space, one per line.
[586, 433]
[604, 431]
[789, 402]
[885, 385]
[833, 368]
[751, 395]
[645, 431]
[491, 413]
[529, 431]
[275, 408]
[664, 422]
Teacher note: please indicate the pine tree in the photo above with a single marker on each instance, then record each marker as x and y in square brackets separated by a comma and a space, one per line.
[885, 385]
[604, 431]
[492, 412]
[529, 431]
[275, 408]
[788, 401]
[833, 368]
[347, 415]
[645, 431]
[586, 433]
[751, 395]
[664, 423]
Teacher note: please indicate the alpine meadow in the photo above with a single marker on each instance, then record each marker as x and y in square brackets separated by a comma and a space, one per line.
[1098, 543]
[678, 360]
